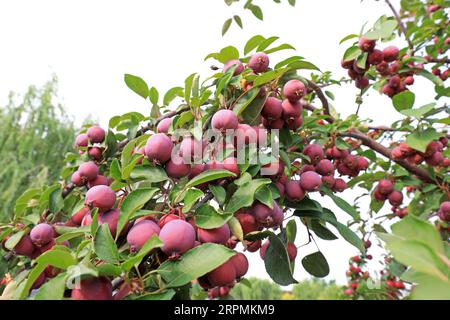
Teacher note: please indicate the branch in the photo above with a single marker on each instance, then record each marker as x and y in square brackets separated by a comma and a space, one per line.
[379, 148]
[375, 146]
[442, 60]
[400, 23]
[322, 98]
[144, 129]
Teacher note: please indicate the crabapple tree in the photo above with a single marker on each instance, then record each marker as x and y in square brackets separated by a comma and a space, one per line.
[232, 164]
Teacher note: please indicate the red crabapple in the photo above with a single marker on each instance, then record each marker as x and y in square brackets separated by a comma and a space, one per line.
[178, 236]
[96, 134]
[140, 233]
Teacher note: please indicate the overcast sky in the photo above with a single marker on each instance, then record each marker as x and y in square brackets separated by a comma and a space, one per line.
[89, 45]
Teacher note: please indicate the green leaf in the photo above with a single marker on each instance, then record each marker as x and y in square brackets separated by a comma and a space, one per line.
[350, 36]
[194, 264]
[136, 84]
[420, 139]
[238, 21]
[361, 60]
[172, 94]
[14, 239]
[414, 228]
[133, 202]
[190, 198]
[58, 258]
[352, 53]
[269, 76]
[404, 100]
[254, 42]
[219, 193]
[291, 231]
[341, 203]
[115, 171]
[277, 262]
[297, 65]
[226, 26]
[316, 264]
[321, 231]
[104, 245]
[228, 53]
[206, 217]
[419, 112]
[150, 244]
[53, 289]
[236, 228]
[264, 195]
[151, 174]
[209, 175]
[257, 12]
[428, 75]
[245, 194]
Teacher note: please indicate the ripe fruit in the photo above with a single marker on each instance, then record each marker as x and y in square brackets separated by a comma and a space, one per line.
[324, 167]
[240, 263]
[310, 181]
[78, 216]
[234, 62]
[291, 109]
[391, 53]
[395, 198]
[273, 169]
[444, 211]
[88, 170]
[99, 181]
[167, 218]
[362, 83]
[253, 246]
[294, 191]
[223, 275]
[164, 125]
[259, 62]
[292, 251]
[328, 181]
[24, 247]
[76, 179]
[389, 91]
[96, 134]
[339, 185]
[376, 57]
[262, 213]
[111, 217]
[363, 163]
[247, 221]
[177, 171]
[95, 153]
[294, 123]
[347, 64]
[435, 160]
[178, 236]
[159, 148]
[101, 197]
[366, 45]
[93, 289]
[224, 120]
[82, 140]
[262, 251]
[140, 233]
[385, 186]
[272, 108]
[294, 90]
[379, 196]
[409, 80]
[217, 235]
[314, 152]
[190, 149]
[231, 164]
[41, 234]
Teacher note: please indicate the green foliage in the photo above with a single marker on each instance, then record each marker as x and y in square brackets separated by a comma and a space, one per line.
[35, 132]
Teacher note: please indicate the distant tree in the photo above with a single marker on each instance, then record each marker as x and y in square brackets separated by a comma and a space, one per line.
[260, 289]
[317, 290]
[35, 130]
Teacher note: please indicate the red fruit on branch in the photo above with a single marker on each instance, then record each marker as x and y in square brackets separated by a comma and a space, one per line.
[216, 235]
[294, 90]
[366, 45]
[159, 148]
[140, 233]
[93, 289]
[259, 62]
[96, 134]
[231, 63]
[41, 234]
[101, 197]
[178, 236]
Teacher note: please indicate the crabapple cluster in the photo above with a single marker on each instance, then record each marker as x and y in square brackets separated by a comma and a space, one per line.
[433, 156]
[320, 170]
[385, 191]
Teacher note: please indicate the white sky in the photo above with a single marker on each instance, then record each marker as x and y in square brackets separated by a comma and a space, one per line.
[89, 45]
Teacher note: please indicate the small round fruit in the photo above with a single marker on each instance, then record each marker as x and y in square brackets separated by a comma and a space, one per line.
[24, 247]
[310, 181]
[272, 108]
[164, 125]
[225, 120]
[99, 181]
[140, 233]
[110, 217]
[240, 263]
[41, 234]
[93, 289]
[159, 148]
[391, 53]
[96, 134]
[82, 140]
[234, 62]
[178, 236]
[88, 170]
[291, 109]
[223, 275]
[294, 90]
[294, 191]
[259, 62]
[101, 197]
[216, 235]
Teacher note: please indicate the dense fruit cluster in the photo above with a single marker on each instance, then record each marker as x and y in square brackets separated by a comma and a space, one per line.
[433, 156]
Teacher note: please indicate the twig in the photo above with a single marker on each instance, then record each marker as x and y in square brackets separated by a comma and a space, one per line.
[401, 24]
[322, 98]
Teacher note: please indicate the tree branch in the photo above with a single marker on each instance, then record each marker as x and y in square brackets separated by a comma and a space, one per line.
[401, 24]
[322, 98]
[379, 148]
